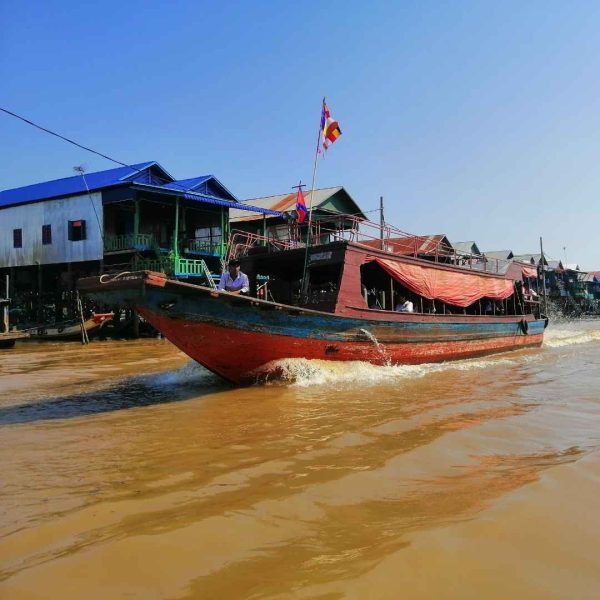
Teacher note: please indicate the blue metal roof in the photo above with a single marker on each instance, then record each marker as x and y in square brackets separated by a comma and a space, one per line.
[205, 198]
[75, 184]
[188, 184]
[212, 200]
[149, 176]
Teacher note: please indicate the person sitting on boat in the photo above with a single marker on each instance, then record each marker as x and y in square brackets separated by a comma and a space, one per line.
[529, 294]
[233, 280]
[404, 305]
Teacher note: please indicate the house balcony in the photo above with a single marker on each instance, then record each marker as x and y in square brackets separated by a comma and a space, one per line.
[128, 242]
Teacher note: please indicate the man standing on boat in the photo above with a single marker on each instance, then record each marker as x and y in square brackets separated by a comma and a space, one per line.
[233, 280]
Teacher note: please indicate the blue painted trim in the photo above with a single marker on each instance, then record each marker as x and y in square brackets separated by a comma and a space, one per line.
[222, 313]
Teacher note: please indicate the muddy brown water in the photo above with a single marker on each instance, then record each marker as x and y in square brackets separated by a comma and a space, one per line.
[128, 471]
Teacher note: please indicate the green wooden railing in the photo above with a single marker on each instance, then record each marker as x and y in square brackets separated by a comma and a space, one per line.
[128, 241]
[179, 267]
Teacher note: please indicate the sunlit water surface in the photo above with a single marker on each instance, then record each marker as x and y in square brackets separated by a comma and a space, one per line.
[130, 472]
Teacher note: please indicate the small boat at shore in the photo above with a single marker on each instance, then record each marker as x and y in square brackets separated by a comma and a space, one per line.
[70, 330]
[465, 308]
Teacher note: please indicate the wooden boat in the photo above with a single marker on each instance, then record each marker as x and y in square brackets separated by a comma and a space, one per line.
[70, 330]
[242, 337]
[8, 336]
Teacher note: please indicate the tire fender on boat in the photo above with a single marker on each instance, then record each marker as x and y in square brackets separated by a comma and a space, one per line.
[524, 326]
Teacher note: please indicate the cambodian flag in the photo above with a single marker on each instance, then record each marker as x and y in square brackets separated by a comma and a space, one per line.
[301, 207]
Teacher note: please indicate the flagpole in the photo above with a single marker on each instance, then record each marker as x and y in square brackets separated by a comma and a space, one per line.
[304, 285]
[314, 175]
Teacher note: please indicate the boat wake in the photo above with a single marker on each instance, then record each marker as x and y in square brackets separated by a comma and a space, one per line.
[304, 373]
[570, 335]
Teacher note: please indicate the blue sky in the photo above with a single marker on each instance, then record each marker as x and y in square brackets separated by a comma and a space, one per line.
[476, 119]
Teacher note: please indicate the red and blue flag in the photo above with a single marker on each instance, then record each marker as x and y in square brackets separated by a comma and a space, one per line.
[301, 207]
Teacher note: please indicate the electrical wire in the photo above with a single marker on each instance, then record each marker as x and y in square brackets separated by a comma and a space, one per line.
[105, 156]
[86, 148]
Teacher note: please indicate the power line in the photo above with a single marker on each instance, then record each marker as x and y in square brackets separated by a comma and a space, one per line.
[114, 160]
[66, 139]
[86, 148]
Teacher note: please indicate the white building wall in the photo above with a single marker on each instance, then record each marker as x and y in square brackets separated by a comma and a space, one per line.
[57, 213]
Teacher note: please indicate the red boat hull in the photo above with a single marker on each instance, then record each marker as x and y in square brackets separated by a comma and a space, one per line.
[214, 346]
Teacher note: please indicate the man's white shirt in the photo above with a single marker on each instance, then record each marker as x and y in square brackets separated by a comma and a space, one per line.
[239, 283]
[405, 307]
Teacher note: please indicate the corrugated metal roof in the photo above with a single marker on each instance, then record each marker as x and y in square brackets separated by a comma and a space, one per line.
[534, 259]
[75, 185]
[466, 247]
[139, 176]
[199, 197]
[592, 277]
[287, 202]
[499, 254]
[230, 203]
[188, 184]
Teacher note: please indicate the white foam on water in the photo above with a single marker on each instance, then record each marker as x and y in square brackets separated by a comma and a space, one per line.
[304, 372]
[567, 336]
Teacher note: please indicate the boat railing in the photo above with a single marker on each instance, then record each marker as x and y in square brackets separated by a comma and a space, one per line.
[391, 239]
[352, 228]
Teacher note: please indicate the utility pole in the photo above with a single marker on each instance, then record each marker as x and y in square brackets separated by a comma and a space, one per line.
[543, 260]
[381, 221]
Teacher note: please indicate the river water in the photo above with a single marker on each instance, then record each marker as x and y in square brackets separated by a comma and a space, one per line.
[130, 472]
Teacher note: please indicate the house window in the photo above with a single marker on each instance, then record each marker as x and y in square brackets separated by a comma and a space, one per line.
[46, 234]
[17, 238]
[77, 230]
